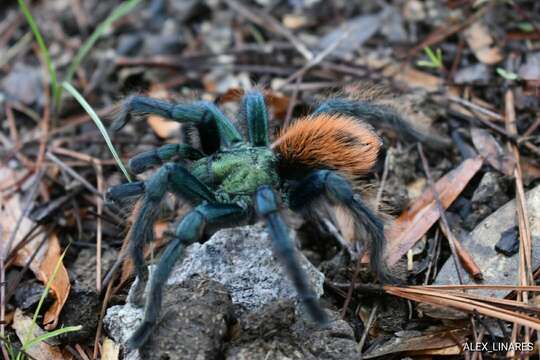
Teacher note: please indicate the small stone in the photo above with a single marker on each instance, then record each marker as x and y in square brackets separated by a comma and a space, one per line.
[497, 268]
[24, 83]
[82, 308]
[275, 332]
[483, 202]
[478, 73]
[242, 259]
[195, 319]
[27, 294]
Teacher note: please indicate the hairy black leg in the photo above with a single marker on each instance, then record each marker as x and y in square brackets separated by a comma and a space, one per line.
[170, 177]
[380, 115]
[267, 208]
[188, 231]
[256, 116]
[157, 156]
[338, 189]
[197, 113]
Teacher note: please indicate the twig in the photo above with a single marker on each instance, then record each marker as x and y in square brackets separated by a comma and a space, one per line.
[45, 122]
[383, 180]
[317, 59]
[445, 31]
[441, 211]
[2, 292]
[106, 298]
[81, 352]
[433, 256]
[532, 128]
[99, 225]
[525, 245]
[72, 172]
[268, 22]
[367, 326]
[511, 136]
[292, 103]
[466, 259]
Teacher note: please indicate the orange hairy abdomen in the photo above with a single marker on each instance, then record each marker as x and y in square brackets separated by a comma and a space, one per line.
[325, 141]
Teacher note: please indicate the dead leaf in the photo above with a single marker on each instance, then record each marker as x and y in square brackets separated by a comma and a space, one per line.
[422, 214]
[60, 285]
[164, 128]
[42, 351]
[413, 78]
[490, 149]
[46, 257]
[482, 43]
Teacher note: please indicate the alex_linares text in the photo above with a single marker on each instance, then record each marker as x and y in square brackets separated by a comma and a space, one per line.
[498, 346]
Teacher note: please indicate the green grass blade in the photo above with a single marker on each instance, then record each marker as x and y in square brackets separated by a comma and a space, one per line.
[119, 12]
[436, 59]
[50, 334]
[69, 88]
[508, 75]
[42, 46]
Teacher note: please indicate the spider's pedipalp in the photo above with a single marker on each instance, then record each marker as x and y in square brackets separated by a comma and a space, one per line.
[379, 115]
[189, 230]
[338, 189]
[256, 115]
[267, 208]
[157, 156]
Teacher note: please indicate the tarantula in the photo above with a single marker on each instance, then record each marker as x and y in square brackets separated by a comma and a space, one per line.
[229, 180]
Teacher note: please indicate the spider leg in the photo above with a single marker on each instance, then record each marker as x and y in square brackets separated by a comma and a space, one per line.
[157, 156]
[170, 177]
[256, 115]
[122, 191]
[266, 205]
[338, 189]
[188, 231]
[379, 115]
[201, 114]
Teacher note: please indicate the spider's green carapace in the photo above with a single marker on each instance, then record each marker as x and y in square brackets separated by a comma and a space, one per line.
[238, 172]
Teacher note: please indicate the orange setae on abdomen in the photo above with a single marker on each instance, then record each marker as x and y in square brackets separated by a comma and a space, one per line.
[326, 141]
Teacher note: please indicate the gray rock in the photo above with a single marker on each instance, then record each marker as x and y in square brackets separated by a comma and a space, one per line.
[24, 83]
[488, 197]
[531, 69]
[242, 259]
[194, 323]
[478, 73]
[275, 332]
[352, 34]
[82, 308]
[498, 269]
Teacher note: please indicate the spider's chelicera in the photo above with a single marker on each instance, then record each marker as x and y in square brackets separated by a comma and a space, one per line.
[229, 180]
